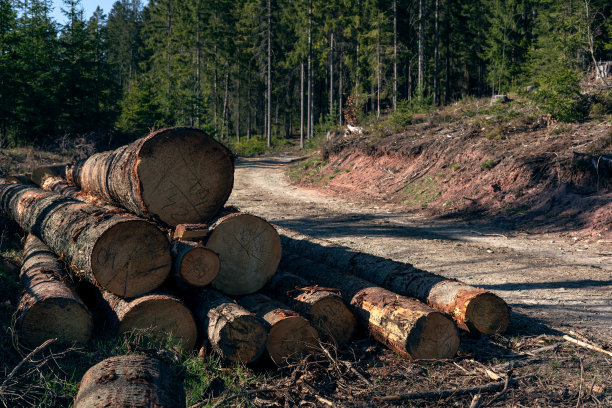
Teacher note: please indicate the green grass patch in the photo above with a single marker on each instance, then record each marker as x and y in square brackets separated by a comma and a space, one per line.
[421, 192]
[487, 164]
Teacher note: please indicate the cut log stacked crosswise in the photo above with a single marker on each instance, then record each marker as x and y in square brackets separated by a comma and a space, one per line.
[107, 218]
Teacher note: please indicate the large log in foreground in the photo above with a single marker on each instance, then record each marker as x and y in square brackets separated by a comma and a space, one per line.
[165, 316]
[249, 250]
[235, 333]
[176, 175]
[130, 381]
[121, 253]
[290, 334]
[324, 307]
[474, 309]
[403, 324]
[49, 308]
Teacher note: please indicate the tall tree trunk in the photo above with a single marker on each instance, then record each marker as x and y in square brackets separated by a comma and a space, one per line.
[331, 72]
[269, 123]
[198, 68]
[340, 91]
[310, 114]
[395, 55]
[378, 73]
[249, 111]
[302, 105]
[238, 106]
[447, 55]
[224, 120]
[436, 98]
[421, 77]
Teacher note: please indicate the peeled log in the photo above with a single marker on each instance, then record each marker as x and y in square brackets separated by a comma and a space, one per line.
[474, 309]
[235, 333]
[48, 307]
[324, 307]
[130, 381]
[249, 250]
[403, 324]
[194, 265]
[165, 316]
[175, 175]
[290, 334]
[121, 253]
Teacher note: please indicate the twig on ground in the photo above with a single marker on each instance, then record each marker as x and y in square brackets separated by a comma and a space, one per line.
[222, 401]
[476, 401]
[448, 393]
[357, 373]
[586, 345]
[503, 391]
[25, 360]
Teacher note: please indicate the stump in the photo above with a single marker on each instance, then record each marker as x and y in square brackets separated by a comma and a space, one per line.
[130, 381]
[249, 250]
[49, 307]
[290, 334]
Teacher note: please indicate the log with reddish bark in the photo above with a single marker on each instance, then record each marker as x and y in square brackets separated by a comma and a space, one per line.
[234, 332]
[249, 250]
[290, 335]
[190, 232]
[403, 324]
[474, 309]
[175, 175]
[163, 316]
[324, 307]
[194, 266]
[49, 307]
[130, 381]
[121, 253]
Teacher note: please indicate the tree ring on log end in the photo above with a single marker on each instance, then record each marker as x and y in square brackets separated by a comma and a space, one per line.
[167, 316]
[487, 313]
[131, 258]
[333, 319]
[249, 251]
[434, 336]
[62, 318]
[290, 337]
[185, 175]
[243, 339]
[199, 266]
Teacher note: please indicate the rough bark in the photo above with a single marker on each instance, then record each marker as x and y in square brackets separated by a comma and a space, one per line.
[49, 307]
[19, 178]
[474, 309]
[403, 324]
[175, 175]
[235, 333]
[324, 307]
[194, 265]
[130, 381]
[290, 336]
[249, 250]
[190, 232]
[164, 316]
[121, 253]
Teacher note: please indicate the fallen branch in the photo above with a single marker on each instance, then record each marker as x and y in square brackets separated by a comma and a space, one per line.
[499, 385]
[586, 345]
[222, 401]
[25, 360]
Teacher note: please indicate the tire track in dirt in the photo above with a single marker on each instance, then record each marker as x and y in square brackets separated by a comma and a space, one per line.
[551, 281]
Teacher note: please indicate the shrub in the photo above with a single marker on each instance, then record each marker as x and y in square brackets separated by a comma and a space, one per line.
[559, 94]
[487, 164]
[250, 147]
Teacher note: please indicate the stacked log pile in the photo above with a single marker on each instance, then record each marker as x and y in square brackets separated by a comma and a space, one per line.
[141, 228]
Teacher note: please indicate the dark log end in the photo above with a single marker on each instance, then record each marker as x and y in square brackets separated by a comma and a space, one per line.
[243, 339]
[434, 336]
[131, 258]
[289, 338]
[333, 319]
[487, 313]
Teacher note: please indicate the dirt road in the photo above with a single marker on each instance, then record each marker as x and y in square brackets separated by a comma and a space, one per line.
[553, 282]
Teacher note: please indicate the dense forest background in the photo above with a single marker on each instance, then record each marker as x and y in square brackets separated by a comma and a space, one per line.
[272, 69]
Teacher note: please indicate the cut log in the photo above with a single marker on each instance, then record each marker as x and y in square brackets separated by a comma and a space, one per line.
[130, 381]
[190, 232]
[175, 175]
[234, 332]
[249, 249]
[49, 307]
[121, 253]
[324, 307]
[164, 316]
[19, 178]
[403, 324]
[290, 334]
[194, 265]
[474, 309]
[41, 173]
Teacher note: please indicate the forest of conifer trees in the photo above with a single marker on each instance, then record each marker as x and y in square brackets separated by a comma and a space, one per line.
[274, 68]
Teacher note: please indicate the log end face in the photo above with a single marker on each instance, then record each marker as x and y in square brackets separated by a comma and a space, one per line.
[200, 266]
[487, 313]
[289, 338]
[131, 258]
[249, 251]
[435, 336]
[333, 319]
[243, 339]
[167, 317]
[66, 319]
[185, 175]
